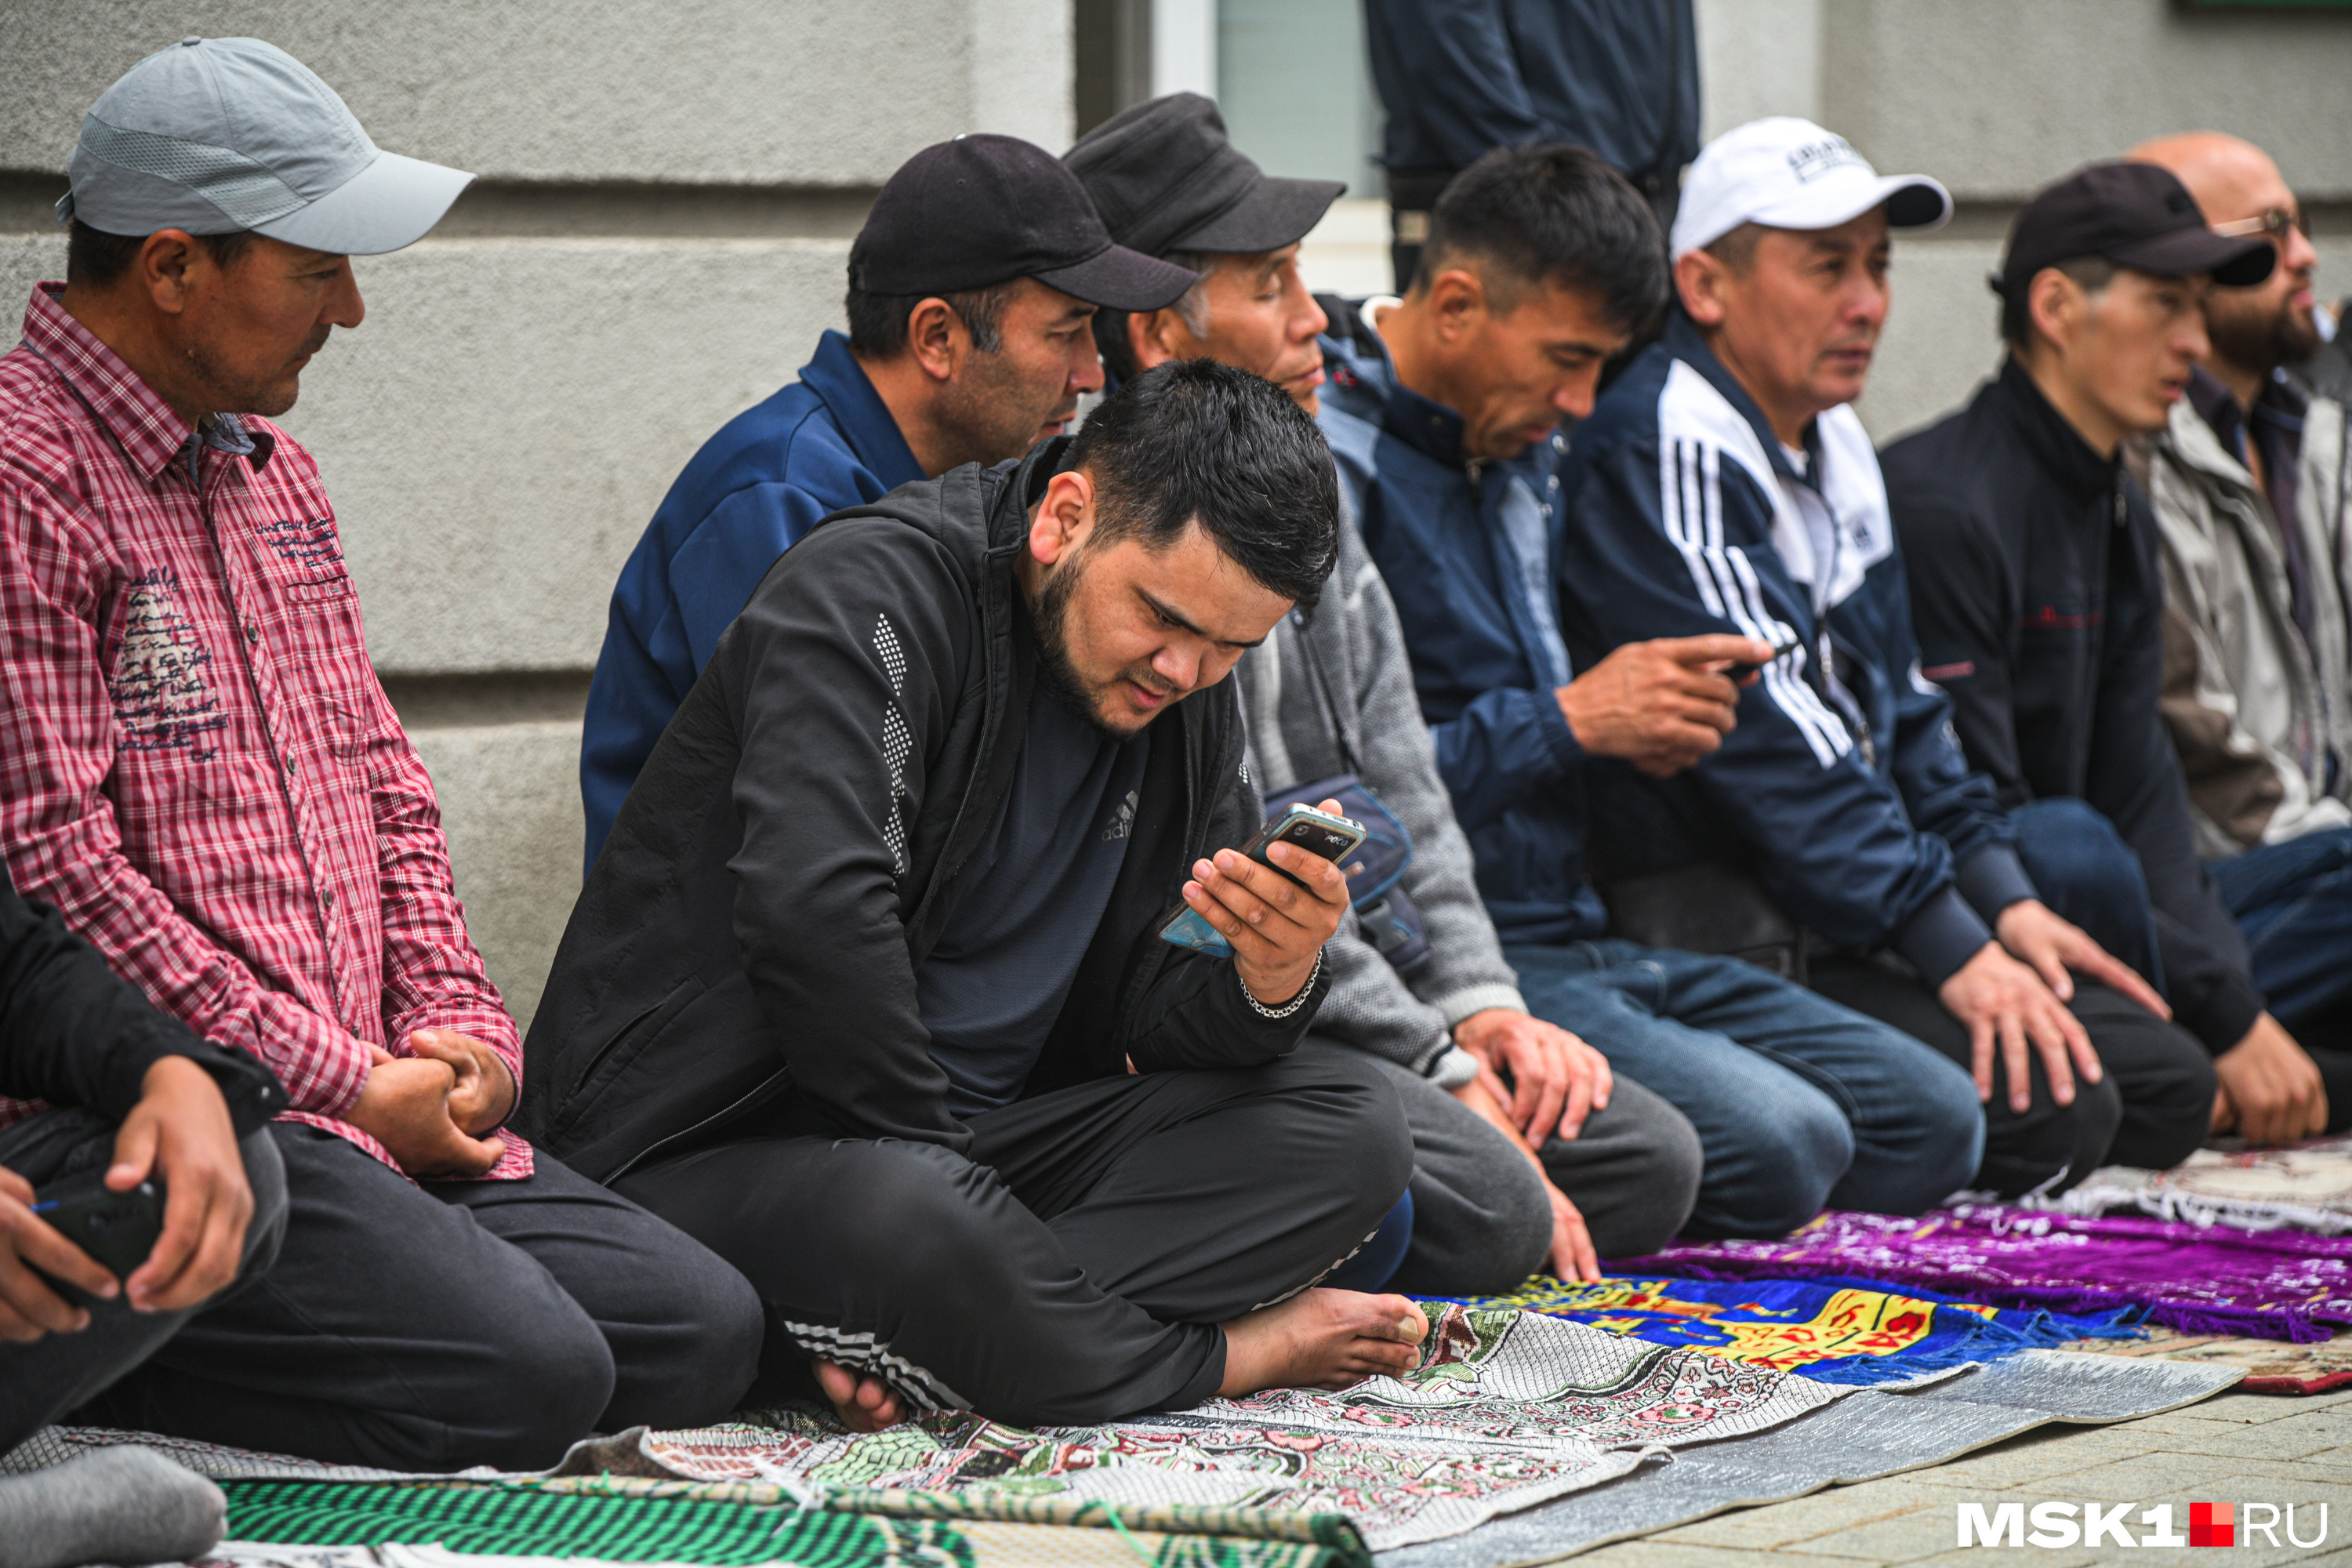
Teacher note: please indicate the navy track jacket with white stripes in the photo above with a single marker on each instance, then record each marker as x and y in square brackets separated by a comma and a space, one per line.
[1843, 787]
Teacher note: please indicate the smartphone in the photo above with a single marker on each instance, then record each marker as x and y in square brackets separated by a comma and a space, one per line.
[1316, 832]
[1740, 672]
[118, 1229]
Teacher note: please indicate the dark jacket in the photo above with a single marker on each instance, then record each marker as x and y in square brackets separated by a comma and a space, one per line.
[2040, 603]
[825, 442]
[73, 1033]
[1842, 787]
[749, 939]
[1439, 530]
[1459, 77]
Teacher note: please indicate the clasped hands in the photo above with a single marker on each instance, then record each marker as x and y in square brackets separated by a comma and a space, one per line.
[432, 1109]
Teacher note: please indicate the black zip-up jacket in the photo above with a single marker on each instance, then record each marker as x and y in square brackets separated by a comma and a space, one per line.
[72, 1032]
[2038, 598]
[749, 938]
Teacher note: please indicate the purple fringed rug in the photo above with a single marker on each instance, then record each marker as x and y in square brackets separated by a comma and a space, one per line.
[2201, 1280]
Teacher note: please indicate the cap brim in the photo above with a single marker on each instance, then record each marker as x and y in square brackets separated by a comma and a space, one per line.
[1119, 279]
[2234, 263]
[391, 202]
[1912, 201]
[1275, 213]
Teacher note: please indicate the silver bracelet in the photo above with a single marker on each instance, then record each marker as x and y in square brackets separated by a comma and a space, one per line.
[1295, 1004]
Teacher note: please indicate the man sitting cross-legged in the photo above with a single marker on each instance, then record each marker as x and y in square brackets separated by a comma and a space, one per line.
[1562, 1161]
[867, 993]
[1540, 261]
[1724, 484]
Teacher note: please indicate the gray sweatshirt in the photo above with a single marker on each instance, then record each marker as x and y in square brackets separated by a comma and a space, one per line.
[1356, 645]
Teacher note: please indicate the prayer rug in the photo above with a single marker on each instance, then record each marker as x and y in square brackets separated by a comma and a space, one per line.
[2273, 1285]
[2306, 1187]
[2270, 1366]
[1506, 1410]
[1864, 1332]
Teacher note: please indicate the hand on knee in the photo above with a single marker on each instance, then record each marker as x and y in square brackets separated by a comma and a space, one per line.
[863, 1402]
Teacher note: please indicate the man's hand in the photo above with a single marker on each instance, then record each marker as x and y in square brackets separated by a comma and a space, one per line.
[1277, 927]
[180, 1130]
[2034, 934]
[484, 1095]
[2004, 1002]
[1555, 1079]
[2270, 1092]
[1571, 1255]
[1660, 705]
[28, 1308]
[405, 1106]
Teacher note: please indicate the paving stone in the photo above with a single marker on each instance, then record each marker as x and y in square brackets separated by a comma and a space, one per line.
[1653, 1553]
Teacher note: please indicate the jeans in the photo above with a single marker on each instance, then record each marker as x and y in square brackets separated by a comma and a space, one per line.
[2087, 874]
[2293, 903]
[1799, 1103]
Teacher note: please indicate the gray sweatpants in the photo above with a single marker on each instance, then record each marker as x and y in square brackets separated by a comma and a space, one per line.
[1481, 1223]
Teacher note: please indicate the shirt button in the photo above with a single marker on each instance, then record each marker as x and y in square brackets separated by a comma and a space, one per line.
[252, 633]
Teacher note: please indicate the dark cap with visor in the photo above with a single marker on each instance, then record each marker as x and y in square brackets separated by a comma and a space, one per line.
[1165, 177]
[2135, 214]
[982, 210]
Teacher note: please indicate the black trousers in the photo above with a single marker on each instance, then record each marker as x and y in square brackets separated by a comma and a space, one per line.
[434, 1326]
[2153, 1108]
[42, 1381]
[1075, 1268]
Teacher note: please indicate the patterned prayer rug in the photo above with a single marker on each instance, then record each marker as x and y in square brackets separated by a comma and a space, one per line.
[2278, 1284]
[2270, 1366]
[2306, 1187]
[1864, 1332]
[1506, 1410]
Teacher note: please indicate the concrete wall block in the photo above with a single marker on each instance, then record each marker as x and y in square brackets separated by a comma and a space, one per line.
[1996, 98]
[1021, 81]
[496, 434]
[703, 91]
[510, 805]
[1757, 58]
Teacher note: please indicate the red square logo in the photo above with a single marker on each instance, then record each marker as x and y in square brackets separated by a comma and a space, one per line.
[2210, 1524]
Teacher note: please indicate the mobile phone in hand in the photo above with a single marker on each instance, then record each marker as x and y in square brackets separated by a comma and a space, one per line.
[1740, 672]
[1316, 832]
[118, 1229]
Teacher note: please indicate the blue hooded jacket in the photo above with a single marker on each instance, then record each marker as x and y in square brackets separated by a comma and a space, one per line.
[1843, 787]
[1468, 552]
[823, 443]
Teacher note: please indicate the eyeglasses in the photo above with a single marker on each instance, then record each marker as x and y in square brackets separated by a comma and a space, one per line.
[2274, 224]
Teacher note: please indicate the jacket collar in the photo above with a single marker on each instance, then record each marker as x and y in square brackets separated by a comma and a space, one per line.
[141, 424]
[2052, 442]
[863, 418]
[1685, 342]
[1364, 382]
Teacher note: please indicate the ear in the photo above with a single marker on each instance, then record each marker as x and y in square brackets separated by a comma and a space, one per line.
[937, 338]
[2054, 303]
[1152, 337]
[1699, 279]
[1064, 518]
[1457, 303]
[164, 265]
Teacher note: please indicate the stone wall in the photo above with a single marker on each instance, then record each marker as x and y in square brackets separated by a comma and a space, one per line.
[669, 190]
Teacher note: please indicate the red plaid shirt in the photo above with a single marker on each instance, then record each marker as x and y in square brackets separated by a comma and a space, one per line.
[197, 764]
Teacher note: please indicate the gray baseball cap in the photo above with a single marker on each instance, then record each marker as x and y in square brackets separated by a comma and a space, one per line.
[212, 135]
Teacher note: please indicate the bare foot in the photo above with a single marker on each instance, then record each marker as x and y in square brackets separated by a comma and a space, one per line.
[1322, 1339]
[864, 1404]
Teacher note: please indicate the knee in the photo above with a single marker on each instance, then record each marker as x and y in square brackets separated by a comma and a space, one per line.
[2076, 857]
[265, 1175]
[545, 1375]
[1344, 1109]
[707, 1350]
[1796, 1155]
[1674, 1164]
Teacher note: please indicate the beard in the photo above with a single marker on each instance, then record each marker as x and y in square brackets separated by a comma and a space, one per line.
[231, 390]
[989, 412]
[1056, 671]
[2258, 337]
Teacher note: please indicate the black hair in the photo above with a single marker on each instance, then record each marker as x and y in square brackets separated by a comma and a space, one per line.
[878, 322]
[1196, 441]
[2091, 273]
[95, 258]
[1551, 213]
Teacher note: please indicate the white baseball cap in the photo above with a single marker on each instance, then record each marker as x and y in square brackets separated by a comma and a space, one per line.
[213, 136]
[1786, 172]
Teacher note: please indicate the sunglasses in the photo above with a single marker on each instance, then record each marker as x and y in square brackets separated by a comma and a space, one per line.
[2274, 224]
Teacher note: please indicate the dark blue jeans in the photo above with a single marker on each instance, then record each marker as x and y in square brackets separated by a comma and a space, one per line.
[2293, 901]
[1799, 1103]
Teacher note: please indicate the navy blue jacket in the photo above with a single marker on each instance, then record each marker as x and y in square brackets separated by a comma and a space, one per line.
[1844, 789]
[1459, 77]
[823, 443]
[1483, 666]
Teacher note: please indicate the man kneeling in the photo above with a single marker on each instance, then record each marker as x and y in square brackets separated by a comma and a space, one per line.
[867, 991]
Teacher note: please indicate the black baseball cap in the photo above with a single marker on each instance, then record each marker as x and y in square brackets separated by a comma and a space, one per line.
[982, 210]
[1165, 178]
[2135, 214]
